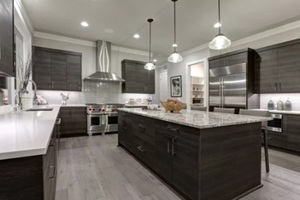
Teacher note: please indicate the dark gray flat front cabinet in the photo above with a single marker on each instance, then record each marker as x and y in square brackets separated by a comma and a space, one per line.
[7, 38]
[56, 69]
[266, 72]
[41, 69]
[73, 121]
[278, 69]
[289, 68]
[3, 83]
[137, 79]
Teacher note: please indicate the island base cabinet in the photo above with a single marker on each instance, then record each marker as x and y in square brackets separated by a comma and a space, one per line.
[220, 163]
[230, 161]
[29, 178]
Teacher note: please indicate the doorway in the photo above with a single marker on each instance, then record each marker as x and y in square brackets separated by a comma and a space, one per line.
[163, 85]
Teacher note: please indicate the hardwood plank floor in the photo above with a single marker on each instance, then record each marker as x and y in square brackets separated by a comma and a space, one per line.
[95, 168]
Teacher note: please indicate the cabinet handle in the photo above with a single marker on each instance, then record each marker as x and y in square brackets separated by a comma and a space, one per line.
[168, 147]
[140, 148]
[279, 86]
[173, 146]
[49, 84]
[275, 86]
[173, 129]
[141, 126]
[52, 172]
[125, 128]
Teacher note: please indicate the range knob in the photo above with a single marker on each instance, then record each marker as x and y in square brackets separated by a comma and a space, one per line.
[103, 109]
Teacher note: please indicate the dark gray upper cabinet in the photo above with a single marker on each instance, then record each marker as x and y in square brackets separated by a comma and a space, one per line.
[277, 68]
[137, 79]
[56, 69]
[7, 38]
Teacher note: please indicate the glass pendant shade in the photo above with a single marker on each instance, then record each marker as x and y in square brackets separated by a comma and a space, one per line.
[149, 66]
[175, 57]
[219, 42]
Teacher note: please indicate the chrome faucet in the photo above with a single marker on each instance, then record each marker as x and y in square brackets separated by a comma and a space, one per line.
[25, 91]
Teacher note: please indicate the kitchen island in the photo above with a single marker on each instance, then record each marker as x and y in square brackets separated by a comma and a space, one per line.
[201, 155]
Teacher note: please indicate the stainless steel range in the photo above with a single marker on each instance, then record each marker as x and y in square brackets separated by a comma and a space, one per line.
[102, 118]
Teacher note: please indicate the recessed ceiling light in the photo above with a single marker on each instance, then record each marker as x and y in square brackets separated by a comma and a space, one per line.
[136, 36]
[154, 60]
[84, 24]
[217, 25]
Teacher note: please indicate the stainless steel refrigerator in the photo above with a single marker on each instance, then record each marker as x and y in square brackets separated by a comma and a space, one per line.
[228, 86]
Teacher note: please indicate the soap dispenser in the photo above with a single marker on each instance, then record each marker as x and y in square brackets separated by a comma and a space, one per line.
[271, 105]
[288, 105]
[280, 105]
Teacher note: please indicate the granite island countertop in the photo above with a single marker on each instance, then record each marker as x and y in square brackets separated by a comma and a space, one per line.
[26, 133]
[198, 119]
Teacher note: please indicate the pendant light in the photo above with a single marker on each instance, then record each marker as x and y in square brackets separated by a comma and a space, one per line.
[150, 65]
[220, 41]
[175, 57]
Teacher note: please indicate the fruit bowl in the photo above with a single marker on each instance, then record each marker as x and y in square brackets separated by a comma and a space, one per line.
[173, 105]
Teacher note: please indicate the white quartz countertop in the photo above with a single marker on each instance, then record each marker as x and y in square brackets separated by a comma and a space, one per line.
[26, 133]
[293, 112]
[198, 119]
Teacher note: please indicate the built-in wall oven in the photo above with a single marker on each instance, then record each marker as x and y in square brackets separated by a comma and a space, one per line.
[275, 125]
[102, 118]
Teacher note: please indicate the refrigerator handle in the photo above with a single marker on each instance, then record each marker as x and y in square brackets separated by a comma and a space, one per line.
[220, 93]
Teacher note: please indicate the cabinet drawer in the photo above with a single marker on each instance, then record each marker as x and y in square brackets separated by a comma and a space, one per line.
[143, 150]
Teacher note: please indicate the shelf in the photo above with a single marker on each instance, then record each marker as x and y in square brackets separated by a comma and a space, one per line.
[197, 90]
[198, 84]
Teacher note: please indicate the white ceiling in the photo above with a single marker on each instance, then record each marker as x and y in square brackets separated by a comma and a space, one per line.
[195, 19]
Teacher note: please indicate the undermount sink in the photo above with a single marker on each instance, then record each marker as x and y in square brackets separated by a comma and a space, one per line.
[40, 109]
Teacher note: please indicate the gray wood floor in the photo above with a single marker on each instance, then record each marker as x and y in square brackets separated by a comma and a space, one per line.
[94, 168]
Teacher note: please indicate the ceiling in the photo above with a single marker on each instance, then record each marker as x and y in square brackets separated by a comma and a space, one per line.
[117, 20]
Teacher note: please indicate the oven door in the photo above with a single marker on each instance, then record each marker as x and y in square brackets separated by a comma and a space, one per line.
[112, 123]
[275, 125]
[96, 123]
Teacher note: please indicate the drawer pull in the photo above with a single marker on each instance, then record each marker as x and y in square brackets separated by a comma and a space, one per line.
[140, 148]
[141, 126]
[52, 172]
[125, 128]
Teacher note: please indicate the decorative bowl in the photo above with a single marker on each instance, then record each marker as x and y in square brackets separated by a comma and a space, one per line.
[173, 105]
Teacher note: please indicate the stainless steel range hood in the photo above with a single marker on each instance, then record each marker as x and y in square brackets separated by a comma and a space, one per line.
[103, 62]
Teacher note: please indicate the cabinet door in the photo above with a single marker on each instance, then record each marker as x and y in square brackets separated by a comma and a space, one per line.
[185, 161]
[7, 38]
[42, 69]
[78, 117]
[163, 156]
[293, 132]
[289, 68]
[58, 71]
[236, 59]
[266, 73]
[150, 82]
[73, 73]
[3, 83]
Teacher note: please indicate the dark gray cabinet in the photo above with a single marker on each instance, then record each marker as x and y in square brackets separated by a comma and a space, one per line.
[7, 67]
[31, 177]
[137, 78]
[170, 150]
[290, 136]
[3, 83]
[56, 69]
[277, 68]
[73, 121]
